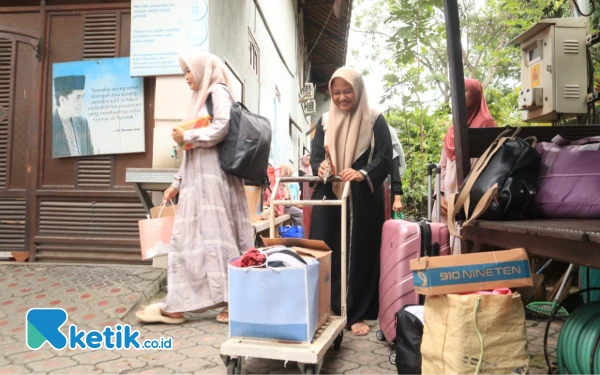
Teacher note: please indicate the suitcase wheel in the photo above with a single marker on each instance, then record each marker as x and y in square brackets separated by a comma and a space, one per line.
[393, 359]
[379, 336]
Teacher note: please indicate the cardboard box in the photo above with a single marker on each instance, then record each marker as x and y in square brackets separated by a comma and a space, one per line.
[321, 252]
[471, 272]
[254, 198]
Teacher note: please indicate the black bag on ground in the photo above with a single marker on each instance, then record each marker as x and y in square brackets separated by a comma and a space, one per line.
[245, 151]
[500, 186]
[409, 334]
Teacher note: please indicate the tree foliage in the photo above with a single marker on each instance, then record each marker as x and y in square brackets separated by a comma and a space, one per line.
[407, 38]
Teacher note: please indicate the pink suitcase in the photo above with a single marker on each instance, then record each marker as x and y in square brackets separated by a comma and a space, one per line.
[402, 241]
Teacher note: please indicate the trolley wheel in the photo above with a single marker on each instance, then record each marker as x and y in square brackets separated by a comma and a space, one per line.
[338, 341]
[234, 367]
[310, 369]
[393, 359]
[379, 336]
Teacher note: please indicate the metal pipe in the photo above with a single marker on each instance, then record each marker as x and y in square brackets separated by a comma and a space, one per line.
[584, 7]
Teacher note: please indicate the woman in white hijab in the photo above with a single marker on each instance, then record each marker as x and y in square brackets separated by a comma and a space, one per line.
[212, 223]
[360, 147]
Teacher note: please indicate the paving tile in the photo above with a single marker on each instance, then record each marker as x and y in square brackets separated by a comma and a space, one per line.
[184, 332]
[78, 370]
[182, 344]
[30, 356]
[199, 351]
[14, 369]
[291, 368]
[384, 350]
[151, 371]
[361, 346]
[216, 370]
[160, 358]
[96, 356]
[210, 339]
[13, 347]
[121, 365]
[189, 365]
[337, 354]
[388, 366]
[261, 366]
[338, 366]
[366, 358]
[56, 363]
[368, 370]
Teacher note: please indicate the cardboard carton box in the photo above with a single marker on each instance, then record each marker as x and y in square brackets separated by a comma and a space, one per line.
[471, 272]
[321, 252]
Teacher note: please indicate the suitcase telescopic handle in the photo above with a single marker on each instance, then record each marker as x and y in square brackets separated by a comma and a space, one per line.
[431, 168]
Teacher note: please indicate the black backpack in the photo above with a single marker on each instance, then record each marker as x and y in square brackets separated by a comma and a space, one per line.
[245, 151]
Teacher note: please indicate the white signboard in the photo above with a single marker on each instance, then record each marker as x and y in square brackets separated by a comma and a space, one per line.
[161, 30]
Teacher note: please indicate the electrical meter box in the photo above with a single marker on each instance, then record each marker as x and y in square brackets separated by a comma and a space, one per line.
[553, 70]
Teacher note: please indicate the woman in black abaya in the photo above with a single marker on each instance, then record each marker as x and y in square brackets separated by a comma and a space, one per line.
[360, 147]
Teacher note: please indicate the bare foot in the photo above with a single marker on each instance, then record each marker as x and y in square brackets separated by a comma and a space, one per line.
[360, 329]
[223, 317]
[171, 315]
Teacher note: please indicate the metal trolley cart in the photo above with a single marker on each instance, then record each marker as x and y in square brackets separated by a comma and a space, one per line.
[309, 356]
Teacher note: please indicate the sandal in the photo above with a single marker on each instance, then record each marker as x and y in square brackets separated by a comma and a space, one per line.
[358, 329]
[152, 314]
[223, 316]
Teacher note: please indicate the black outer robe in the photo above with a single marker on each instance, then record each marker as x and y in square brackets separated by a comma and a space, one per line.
[365, 223]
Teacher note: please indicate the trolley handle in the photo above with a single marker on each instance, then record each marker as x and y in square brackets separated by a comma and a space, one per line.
[309, 179]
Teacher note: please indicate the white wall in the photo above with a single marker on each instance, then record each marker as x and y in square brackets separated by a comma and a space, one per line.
[229, 25]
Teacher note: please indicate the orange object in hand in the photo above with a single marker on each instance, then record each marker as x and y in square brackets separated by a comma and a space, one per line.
[198, 123]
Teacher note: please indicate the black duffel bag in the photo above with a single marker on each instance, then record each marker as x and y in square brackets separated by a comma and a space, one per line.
[409, 334]
[500, 185]
[245, 151]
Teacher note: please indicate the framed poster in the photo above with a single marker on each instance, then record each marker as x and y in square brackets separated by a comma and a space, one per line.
[97, 109]
[161, 30]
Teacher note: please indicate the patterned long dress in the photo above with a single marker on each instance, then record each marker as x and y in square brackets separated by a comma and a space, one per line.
[212, 223]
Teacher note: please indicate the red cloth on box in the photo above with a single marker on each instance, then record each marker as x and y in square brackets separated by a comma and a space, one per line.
[251, 258]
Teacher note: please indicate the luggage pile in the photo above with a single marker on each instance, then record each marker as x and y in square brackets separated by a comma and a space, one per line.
[424, 290]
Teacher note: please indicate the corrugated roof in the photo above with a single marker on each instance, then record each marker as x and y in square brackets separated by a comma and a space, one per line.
[326, 36]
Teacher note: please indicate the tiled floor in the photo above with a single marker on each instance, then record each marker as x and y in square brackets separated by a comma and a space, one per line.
[97, 296]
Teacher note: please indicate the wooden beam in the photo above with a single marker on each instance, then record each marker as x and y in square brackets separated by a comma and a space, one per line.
[322, 64]
[317, 4]
[318, 27]
[325, 38]
[563, 250]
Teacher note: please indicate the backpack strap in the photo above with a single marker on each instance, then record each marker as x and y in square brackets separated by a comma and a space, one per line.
[209, 101]
[209, 105]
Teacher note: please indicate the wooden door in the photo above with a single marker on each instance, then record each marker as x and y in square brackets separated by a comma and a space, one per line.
[19, 73]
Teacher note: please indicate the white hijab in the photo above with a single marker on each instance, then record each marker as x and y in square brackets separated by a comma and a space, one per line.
[348, 134]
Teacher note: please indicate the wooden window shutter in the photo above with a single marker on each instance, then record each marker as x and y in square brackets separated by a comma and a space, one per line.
[99, 42]
[12, 211]
[5, 90]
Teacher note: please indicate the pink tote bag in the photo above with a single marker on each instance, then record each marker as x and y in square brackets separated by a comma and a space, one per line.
[155, 234]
